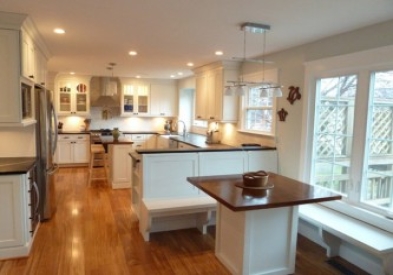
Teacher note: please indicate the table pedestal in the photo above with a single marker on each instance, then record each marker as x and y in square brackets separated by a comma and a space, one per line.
[257, 241]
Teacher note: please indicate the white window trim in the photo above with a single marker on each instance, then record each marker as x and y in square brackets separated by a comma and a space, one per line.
[356, 63]
[268, 75]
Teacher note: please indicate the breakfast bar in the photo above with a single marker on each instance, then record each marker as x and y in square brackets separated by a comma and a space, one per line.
[256, 228]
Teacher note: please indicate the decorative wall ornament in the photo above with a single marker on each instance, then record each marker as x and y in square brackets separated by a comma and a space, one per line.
[294, 94]
[282, 114]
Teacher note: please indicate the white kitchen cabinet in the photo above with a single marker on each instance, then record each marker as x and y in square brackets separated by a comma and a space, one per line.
[120, 165]
[15, 235]
[135, 98]
[12, 97]
[28, 56]
[73, 95]
[163, 100]
[40, 70]
[211, 103]
[73, 149]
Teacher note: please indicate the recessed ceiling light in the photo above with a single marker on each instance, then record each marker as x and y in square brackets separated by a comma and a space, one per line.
[180, 73]
[172, 75]
[72, 72]
[219, 53]
[190, 64]
[138, 76]
[132, 53]
[59, 31]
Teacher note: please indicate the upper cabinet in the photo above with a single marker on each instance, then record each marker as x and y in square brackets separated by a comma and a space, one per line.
[72, 95]
[19, 43]
[135, 99]
[163, 100]
[147, 98]
[211, 103]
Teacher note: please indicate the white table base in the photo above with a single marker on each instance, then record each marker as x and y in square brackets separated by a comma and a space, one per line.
[257, 241]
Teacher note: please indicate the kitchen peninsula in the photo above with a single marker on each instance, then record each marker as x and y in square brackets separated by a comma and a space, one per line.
[159, 177]
[256, 230]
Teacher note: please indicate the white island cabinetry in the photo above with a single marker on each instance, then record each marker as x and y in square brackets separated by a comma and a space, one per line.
[120, 165]
[161, 179]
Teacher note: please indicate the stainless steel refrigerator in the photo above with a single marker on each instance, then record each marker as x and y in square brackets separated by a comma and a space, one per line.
[46, 142]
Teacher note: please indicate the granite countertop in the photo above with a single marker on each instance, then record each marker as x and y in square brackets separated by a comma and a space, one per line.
[198, 141]
[16, 165]
[109, 140]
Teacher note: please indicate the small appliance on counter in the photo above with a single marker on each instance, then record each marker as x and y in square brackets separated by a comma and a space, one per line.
[213, 137]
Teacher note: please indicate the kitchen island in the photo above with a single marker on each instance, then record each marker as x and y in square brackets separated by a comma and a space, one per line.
[256, 229]
[159, 177]
[119, 161]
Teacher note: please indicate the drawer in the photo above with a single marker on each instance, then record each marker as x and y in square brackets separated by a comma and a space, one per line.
[73, 137]
[137, 137]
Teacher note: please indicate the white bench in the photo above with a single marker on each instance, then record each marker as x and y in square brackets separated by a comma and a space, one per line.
[166, 207]
[335, 226]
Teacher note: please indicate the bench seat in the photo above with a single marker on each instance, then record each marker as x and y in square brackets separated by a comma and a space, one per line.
[166, 207]
[335, 226]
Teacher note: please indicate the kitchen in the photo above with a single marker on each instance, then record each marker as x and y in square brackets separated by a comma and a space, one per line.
[288, 137]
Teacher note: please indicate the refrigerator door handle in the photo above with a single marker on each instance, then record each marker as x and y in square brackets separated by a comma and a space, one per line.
[52, 170]
[37, 193]
[56, 131]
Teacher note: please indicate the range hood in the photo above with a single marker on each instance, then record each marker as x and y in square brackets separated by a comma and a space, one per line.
[109, 89]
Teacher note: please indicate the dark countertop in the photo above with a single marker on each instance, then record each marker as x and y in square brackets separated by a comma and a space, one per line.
[199, 141]
[286, 192]
[73, 132]
[109, 140]
[18, 165]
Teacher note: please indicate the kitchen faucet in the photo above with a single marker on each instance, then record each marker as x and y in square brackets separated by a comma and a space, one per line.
[184, 127]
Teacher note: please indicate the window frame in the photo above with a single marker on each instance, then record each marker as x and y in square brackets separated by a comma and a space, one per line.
[267, 75]
[362, 64]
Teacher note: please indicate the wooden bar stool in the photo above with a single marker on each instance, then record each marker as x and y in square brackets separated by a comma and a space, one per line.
[97, 152]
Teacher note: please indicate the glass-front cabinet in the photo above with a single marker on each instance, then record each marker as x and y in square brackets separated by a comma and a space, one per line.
[73, 95]
[135, 99]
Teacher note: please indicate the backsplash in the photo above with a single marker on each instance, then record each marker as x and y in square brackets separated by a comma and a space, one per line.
[76, 123]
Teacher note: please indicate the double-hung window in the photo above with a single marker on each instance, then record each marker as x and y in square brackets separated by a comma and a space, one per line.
[259, 113]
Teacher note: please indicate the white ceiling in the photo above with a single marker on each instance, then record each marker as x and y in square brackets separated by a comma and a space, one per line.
[169, 33]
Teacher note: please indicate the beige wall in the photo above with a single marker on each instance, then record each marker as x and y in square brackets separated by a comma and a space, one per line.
[290, 63]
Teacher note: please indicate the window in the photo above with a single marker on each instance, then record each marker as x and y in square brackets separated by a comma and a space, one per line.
[333, 132]
[258, 112]
[377, 187]
[335, 163]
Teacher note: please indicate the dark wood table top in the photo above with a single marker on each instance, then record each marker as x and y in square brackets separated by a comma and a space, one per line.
[285, 192]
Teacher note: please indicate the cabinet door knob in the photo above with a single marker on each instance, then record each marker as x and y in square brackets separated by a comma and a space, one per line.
[31, 76]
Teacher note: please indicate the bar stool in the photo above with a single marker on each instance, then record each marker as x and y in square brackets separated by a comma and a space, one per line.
[97, 152]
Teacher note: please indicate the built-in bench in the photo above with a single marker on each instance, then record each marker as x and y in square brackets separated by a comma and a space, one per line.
[152, 209]
[335, 227]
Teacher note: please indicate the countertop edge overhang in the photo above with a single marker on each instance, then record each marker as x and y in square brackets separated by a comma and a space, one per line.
[16, 165]
[218, 187]
[196, 150]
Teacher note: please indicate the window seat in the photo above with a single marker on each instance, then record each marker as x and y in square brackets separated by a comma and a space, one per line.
[335, 226]
[152, 209]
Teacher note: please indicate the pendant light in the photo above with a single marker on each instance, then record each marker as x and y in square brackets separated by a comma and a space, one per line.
[268, 89]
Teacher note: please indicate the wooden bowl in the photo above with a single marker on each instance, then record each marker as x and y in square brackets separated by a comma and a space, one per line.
[256, 179]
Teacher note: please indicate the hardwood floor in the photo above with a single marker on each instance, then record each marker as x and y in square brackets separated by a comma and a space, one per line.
[95, 232]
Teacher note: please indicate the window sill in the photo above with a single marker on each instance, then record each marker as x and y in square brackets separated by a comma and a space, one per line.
[257, 133]
[372, 218]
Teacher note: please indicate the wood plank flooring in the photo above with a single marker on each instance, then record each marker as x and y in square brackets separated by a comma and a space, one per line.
[95, 232]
